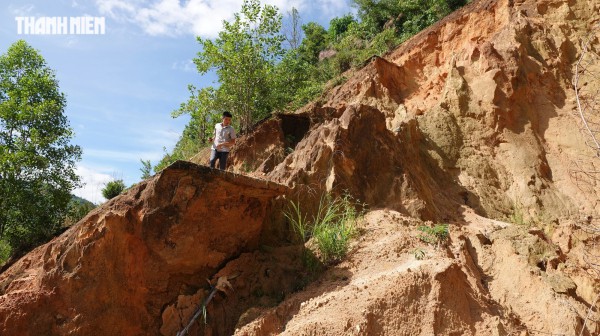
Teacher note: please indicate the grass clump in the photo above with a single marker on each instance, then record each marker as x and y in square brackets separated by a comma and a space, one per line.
[518, 215]
[434, 235]
[299, 221]
[331, 227]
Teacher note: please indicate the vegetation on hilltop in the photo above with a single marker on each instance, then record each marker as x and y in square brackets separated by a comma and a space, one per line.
[113, 189]
[258, 74]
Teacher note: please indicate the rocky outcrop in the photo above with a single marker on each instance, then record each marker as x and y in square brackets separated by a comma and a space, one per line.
[472, 113]
[115, 271]
[475, 110]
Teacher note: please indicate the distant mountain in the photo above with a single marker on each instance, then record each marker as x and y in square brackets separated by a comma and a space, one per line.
[81, 201]
[78, 208]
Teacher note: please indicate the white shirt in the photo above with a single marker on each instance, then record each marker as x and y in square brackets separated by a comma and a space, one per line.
[223, 134]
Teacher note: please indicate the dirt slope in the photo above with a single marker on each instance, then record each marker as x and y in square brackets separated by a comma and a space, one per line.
[476, 110]
[468, 123]
[484, 281]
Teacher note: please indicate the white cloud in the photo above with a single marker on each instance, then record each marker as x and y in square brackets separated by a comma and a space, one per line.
[198, 17]
[117, 9]
[330, 7]
[93, 182]
[186, 66]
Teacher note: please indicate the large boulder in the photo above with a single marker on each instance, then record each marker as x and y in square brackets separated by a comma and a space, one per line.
[115, 271]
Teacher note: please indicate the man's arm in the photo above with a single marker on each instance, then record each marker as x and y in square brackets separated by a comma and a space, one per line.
[226, 143]
[231, 141]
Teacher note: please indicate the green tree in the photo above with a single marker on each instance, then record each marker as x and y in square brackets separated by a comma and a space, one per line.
[338, 26]
[375, 13]
[294, 78]
[200, 127]
[37, 161]
[243, 57]
[146, 169]
[113, 189]
[315, 40]
[408, 16]
[202, 107]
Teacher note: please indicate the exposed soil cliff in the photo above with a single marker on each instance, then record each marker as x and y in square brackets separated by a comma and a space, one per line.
[470, 123]
[476, 110]
[115, 271]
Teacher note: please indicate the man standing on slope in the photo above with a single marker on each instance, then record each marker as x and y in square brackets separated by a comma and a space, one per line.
[222, 142]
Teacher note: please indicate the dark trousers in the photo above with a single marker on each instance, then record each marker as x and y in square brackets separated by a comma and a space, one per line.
[222, 156]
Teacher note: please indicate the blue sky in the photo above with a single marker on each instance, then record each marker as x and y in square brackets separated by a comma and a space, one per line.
[121, 86]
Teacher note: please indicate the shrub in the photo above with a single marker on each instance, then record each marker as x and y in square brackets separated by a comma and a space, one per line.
[331, 227]
[306, 94]
[434, 235]
[342, 61]
[384, 42]
[113, 189]
[517, 216]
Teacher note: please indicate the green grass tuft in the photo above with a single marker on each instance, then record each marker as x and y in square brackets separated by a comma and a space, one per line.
[332, 226]
[434, 235]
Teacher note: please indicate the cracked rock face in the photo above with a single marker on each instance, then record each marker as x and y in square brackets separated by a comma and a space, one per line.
[113, 272]
[475, 110]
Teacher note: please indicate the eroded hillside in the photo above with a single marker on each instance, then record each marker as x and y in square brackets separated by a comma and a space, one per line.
[476, 110]
[490, 278]
[115, 272]
[468, 123]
